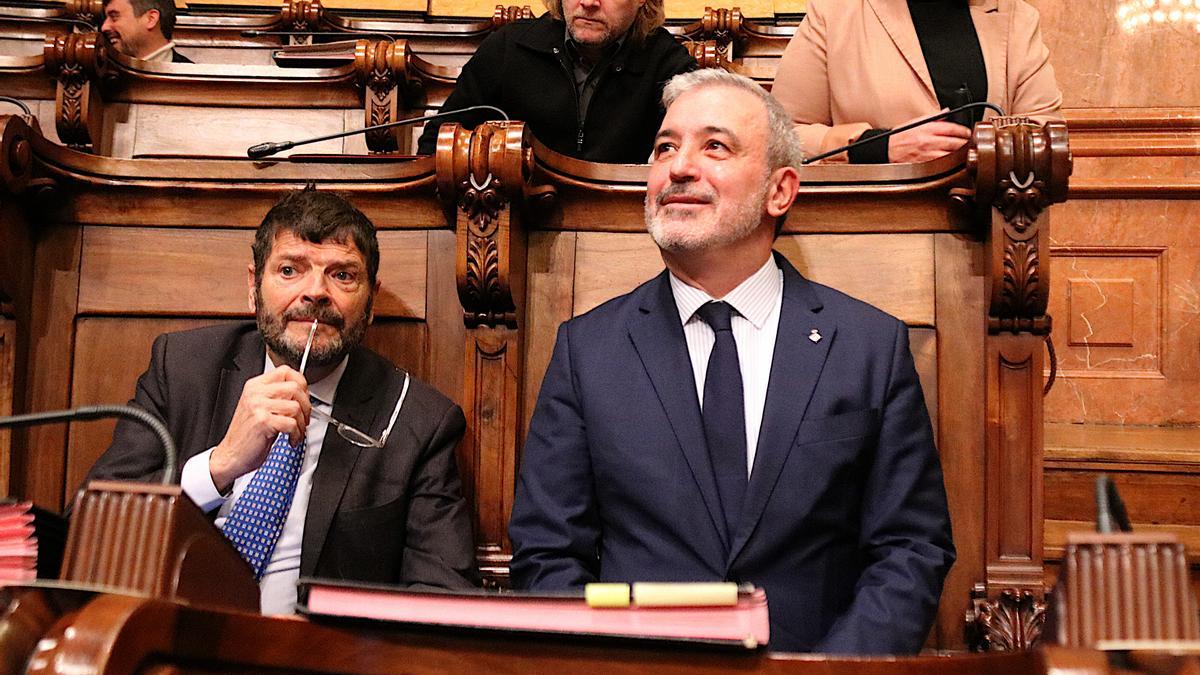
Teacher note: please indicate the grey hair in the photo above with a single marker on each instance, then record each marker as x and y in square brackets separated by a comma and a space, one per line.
[783, 146]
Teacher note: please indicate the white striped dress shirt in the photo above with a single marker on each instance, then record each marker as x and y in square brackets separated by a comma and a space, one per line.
[756, 302]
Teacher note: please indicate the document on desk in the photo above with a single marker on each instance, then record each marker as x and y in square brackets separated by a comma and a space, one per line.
[719, 614]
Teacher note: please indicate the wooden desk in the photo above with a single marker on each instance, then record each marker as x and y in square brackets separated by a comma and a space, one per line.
[123, 634]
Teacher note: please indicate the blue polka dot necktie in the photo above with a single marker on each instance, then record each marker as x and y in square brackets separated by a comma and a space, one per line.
[257, 517]
[724, 413]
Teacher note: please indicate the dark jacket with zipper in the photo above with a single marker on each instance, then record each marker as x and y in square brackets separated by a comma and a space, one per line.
[522, 69]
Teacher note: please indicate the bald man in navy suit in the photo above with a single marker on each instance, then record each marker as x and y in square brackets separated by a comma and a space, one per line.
[802, 459]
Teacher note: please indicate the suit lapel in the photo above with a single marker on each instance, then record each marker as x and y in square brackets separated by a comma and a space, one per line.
[795, 369]
[245, 361]
[359, 398]
[896, 20]
[658, 337]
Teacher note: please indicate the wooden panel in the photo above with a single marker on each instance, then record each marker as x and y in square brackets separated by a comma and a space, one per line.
[549, 296]
[922, 342]
[109, 356]
[112, 352]
[610, 264]
[404, 343]
[1057, 531]
[8, 349]
[1097, 446]
[1150, 497]
[446, 332]
[960, 430]
[160, 271]
[56, 288]
[169, 130]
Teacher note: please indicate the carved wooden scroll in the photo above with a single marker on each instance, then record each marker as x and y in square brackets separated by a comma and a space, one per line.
[382, 68]
[504, 15]
[300, 15]
[77, 61]
[483, 180]
[91, 11]
[1020, 168]
[16, 156]
[708, 54]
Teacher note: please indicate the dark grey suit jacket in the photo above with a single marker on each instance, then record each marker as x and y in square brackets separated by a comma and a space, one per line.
[394, 515]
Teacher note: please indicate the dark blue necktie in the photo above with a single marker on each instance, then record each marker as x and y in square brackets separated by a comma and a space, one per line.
[256, 519]
[724, 413]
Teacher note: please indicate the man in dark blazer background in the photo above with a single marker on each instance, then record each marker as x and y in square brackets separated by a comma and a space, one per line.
[392, 514]
[786, 444]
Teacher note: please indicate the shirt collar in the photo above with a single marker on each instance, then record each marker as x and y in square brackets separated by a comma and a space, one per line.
[754, 298]
[325, 390]
[163, 53]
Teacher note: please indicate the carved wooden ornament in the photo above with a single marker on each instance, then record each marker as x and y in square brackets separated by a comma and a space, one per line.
[506, 15]
[480, 175]
[77, 61]
[16, 157]
[708, 54]
[382, 68]
[90, 11]
[1014, 621]
[1020, 169]
[301, 15]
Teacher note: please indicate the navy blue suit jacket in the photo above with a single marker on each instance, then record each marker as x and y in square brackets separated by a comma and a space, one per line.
[845, 522]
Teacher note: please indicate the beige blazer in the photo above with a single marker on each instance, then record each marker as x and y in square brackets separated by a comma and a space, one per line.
[854, 65]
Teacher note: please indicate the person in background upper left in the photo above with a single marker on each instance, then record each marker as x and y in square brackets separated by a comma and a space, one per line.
[586, 77]
[142, 29]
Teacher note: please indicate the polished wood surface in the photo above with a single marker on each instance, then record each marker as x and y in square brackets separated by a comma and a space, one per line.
[126, 634]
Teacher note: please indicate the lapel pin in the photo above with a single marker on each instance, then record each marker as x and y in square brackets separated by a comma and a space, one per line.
[815, 336]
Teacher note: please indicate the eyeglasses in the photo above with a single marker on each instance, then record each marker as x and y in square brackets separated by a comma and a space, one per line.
[354, 436]
[359, 438]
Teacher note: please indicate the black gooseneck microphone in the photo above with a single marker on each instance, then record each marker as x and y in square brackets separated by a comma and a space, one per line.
[267, 149]
[911, 125]
[1110, 510]
[100, 412]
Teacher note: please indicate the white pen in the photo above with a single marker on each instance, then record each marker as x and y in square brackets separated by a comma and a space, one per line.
[312, 332]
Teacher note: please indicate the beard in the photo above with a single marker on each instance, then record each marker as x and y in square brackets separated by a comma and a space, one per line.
[274, 332]
[685, 231]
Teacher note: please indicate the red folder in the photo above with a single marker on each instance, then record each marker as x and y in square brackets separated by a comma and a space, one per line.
[743, 625]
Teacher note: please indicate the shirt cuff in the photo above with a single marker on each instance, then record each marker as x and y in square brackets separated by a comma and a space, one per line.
[870, 153]
[197, 483]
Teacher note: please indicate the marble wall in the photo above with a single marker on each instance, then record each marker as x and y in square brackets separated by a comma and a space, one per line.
[1125, 267]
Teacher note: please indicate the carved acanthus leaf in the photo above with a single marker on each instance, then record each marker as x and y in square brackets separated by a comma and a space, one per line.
[1014, 621]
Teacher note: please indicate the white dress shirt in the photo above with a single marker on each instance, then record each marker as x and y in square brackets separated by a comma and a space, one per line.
[165, 53]
[756, 302]
[278, 585]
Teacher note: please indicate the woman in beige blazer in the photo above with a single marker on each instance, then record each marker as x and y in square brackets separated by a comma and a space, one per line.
[855, 65]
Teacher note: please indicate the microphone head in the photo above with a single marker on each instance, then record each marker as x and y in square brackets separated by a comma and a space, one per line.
[267, 149]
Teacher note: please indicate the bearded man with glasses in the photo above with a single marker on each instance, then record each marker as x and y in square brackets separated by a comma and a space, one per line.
[341, 468]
